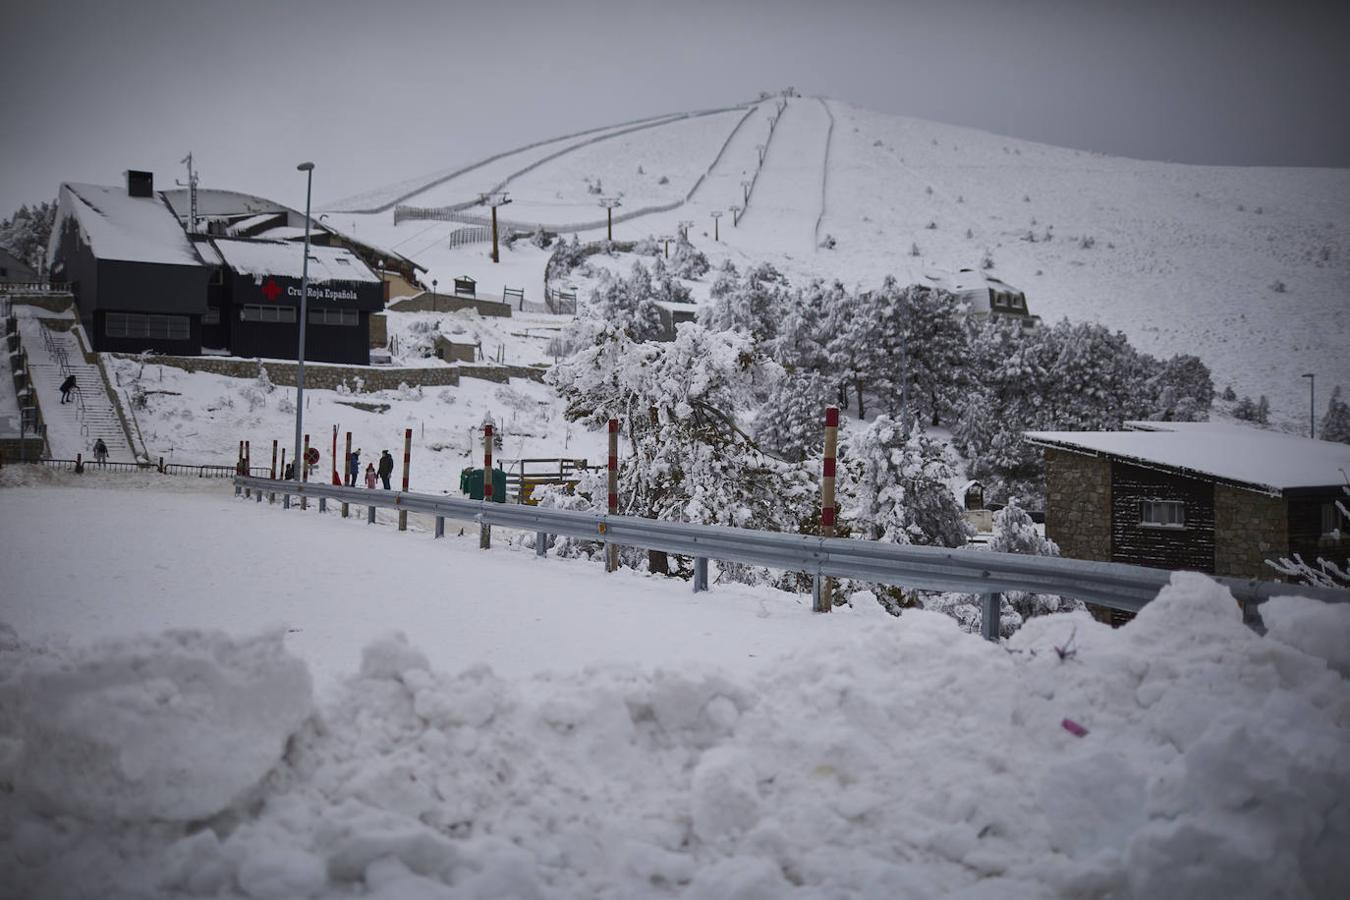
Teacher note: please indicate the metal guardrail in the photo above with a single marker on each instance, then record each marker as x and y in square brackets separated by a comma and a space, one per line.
[202, 471]
[1113, 585]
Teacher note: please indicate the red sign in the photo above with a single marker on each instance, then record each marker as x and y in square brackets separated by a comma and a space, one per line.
[312, 456]
[271, 290]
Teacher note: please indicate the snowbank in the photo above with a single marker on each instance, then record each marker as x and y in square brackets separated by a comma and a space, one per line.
[909, 759]
[174, 727]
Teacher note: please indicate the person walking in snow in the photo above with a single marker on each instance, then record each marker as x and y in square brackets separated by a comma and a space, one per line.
[100, 452]
[66, 387]
[354, 467]
[386, 468]
[370, 476]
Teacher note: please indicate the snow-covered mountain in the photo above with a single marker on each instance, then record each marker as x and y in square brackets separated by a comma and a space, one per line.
[1246, 267]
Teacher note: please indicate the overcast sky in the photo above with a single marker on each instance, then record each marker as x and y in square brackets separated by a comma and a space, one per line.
[379, 92]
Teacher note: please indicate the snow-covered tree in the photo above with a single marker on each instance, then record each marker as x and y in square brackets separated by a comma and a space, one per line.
[752, 304]
[1335, 425]
[689, 460]
[1014, 532]
[803, 332]
[791, 424]
[27, 232]
[1183, 390]
[687, 262]
[629, 303]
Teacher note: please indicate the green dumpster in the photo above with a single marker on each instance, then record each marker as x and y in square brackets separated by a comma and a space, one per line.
[471, 483]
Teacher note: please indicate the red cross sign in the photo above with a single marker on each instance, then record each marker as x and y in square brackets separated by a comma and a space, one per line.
[271, 290]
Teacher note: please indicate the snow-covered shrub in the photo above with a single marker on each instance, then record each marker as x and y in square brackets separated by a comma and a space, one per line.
[1258, 412]
[1278, 286]
[987, 261]
[448, 397]
[1183, 390]
[663, 180]
[405, 392]
[687, 262]
[914, 250]
[1229, 395]
[931, 226]
[1087, 242]
[829, 243]
[542, 239]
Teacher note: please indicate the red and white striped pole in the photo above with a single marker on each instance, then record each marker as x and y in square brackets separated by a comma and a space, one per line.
[303, 463]
[612, 550]
[347, 478]
[823, 601]
[407, 460]
[485, 530]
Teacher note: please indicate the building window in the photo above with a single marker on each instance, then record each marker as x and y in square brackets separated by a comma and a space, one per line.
[1017, 301]
[217, 276]
[1162, 513]
[284, 315]
[326, 316]
[149, 327]
[1000, 300]
[211, 316]
[1333, 521]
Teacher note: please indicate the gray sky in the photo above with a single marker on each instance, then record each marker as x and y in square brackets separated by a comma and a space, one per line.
[375, 93]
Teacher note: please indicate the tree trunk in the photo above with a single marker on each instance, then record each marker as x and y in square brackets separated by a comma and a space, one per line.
[861, 411]
[657, 562]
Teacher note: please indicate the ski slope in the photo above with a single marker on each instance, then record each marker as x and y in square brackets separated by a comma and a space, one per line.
[1245, 267]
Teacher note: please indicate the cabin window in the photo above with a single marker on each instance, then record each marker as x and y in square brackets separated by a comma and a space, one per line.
[1016, 301]
[151, 327]
[1000, 300]
[325, 316]
[1162, 513]
[284, 315]
[1333, 521]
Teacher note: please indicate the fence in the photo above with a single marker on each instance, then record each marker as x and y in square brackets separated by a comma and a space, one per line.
[1113, 585]
[163, 468]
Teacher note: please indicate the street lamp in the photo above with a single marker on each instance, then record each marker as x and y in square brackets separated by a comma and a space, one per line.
[308, 169]
[1312, 404]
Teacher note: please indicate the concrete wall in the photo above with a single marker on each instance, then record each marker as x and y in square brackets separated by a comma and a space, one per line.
[429, 302]
[1249, 529]
[1078, 504]
[373, 378]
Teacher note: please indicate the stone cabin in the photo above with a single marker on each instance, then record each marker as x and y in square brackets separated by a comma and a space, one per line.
[1207, 497]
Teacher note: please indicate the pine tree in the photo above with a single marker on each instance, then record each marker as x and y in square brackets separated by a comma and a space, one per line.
[1335, 425]
[791, 424]
[629, 303]
[753, 304]
[1014, 532]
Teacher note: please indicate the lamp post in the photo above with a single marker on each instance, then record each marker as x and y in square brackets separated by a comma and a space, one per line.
[1312, 404]
[300, 463]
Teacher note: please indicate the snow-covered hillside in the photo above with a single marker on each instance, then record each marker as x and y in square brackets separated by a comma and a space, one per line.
[1245, 267]
[548, 731]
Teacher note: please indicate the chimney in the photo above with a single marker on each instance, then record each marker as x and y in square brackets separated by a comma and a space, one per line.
[140, 184]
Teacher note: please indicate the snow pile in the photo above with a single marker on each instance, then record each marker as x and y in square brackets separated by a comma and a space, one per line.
[908, 759]
[175, 727]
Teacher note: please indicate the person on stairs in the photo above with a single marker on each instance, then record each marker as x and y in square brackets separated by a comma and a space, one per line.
[100, 452]
[66, 387]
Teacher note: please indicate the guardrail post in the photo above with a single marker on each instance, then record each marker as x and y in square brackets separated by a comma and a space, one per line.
[407, 458]
[347, 478]
[440, 526]
[285, 499]
[822, 590]
[612, 550]
[990, 606]
[540, 543]
[700, 574]
[370, 515]
[257, 495]
[484, 529]
[323, 504]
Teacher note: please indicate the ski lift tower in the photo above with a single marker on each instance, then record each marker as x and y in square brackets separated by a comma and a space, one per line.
[494, 199]
[609, 203]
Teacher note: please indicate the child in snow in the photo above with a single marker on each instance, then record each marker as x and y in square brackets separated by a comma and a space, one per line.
[370, 476]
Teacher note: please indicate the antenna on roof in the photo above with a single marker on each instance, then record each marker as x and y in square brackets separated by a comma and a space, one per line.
[192, 194]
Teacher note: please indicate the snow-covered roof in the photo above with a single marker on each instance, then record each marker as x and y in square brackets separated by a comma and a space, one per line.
[286, 259]
[122, 227]
[209, 254]
[242, 226]
[970, 286]
[1268, 461]
[213, 202]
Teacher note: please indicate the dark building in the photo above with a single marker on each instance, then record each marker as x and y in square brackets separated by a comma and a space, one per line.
[138, 281]
[1220, 499]
[143, 282]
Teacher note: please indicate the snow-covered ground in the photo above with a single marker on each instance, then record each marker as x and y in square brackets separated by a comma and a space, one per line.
[547, 731]
[1244, 266]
